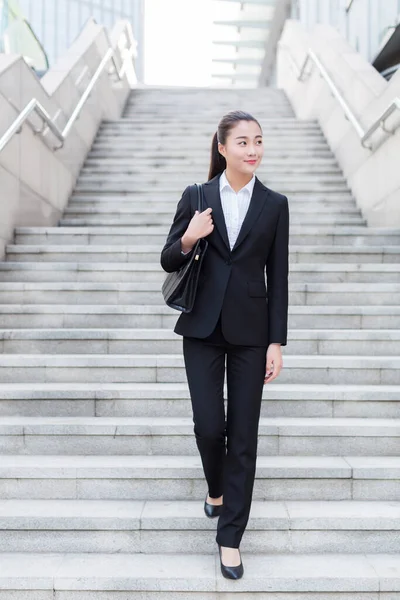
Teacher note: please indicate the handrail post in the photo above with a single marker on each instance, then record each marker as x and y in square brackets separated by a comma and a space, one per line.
[35, 105]
[348, 113]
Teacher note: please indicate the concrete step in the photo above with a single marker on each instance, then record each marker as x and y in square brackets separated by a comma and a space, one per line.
[156, 435]
[199, 159]
[131, 143]
[171, 199]
[173, 400]
[274, 180]
[150, 255]
[150, 341]
[292, 528]
[127, 219]
[332, 203]
[311, 235]
[201, 136]
[61, 341]
[136, 187]
[148, 156]
[173, 172]
[130, 315]
[193, 165]
[168, 477]
[131, 206]
[203, 111]
[186, 142]
[205, 125]
[149, 293]
[203, 101]
[135, 576]
[201, 133]
[184, 118]
[23, 271]
[200, 130]
[170, 368]
[208, 108]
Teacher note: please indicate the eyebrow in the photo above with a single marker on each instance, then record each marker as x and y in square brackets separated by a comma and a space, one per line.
[245, 137]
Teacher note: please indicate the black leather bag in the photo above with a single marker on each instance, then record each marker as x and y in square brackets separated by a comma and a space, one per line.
[179, 287]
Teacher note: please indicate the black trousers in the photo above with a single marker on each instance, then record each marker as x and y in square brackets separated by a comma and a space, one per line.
[229, 468]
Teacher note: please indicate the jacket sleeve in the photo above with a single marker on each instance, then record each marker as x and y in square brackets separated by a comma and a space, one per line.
[171, 258]
[277, 268]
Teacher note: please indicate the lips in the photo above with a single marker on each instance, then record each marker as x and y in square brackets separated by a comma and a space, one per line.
[251, 162]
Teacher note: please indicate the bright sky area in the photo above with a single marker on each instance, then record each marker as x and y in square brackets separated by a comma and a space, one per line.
[178, 42]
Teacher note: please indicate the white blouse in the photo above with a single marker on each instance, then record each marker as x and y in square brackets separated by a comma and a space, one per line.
[234, 206]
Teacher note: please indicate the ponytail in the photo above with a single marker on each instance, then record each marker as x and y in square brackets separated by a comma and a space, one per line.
[217, 162]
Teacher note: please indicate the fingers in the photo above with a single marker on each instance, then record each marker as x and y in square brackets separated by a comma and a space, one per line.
[269, 373]
[272, 372]
[206, 212]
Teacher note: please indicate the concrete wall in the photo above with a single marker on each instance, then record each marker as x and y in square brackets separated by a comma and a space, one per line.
[373, 175]
[35, 180]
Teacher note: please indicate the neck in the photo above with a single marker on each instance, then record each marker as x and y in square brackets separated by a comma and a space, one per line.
[237, 180]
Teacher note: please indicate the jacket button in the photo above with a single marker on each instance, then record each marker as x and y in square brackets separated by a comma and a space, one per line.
[228, 262]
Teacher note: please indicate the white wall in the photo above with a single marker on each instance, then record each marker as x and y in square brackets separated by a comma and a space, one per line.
[373, 175]
[36, 180]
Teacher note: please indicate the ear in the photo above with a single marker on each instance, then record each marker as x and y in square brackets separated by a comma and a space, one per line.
[221, 149]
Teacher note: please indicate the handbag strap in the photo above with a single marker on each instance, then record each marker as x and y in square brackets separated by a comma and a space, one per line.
[200, 196]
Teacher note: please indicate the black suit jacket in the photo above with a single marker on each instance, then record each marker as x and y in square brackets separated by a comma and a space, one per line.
[253, 313]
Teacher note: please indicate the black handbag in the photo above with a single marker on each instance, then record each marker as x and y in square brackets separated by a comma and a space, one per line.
[179, 287]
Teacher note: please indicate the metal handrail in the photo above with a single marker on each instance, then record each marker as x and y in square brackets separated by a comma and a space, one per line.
[361, 132]
[35, 106]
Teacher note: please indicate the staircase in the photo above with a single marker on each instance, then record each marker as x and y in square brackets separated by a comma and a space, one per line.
[101, 485]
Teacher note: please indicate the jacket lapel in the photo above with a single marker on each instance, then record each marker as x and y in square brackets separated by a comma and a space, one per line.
[213, 200]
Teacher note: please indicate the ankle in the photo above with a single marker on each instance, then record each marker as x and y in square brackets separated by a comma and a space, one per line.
[230, 556]
[214, 501]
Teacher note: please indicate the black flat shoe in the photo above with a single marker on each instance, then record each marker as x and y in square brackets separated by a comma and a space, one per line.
[231, 572]
[211, 510]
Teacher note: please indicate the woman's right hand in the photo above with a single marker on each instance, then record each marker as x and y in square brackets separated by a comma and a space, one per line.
[200, 226]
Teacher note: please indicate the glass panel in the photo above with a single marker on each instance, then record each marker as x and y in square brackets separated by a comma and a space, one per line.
[17, 36]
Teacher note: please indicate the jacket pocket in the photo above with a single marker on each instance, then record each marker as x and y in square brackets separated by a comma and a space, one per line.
[257, 288]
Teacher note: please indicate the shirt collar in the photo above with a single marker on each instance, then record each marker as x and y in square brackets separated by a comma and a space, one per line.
[223, 182]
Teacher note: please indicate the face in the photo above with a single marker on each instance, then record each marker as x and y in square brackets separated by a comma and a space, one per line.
[244, 143]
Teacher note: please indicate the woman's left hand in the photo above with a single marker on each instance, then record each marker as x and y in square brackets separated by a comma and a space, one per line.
[274, 362]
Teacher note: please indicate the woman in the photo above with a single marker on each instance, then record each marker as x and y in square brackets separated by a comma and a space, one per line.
[234, 315]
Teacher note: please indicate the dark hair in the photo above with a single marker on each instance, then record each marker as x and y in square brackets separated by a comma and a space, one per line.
[228, 121]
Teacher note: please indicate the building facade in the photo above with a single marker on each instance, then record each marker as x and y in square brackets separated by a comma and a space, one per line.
[246, 33]
[366, 24]
[56, 23]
